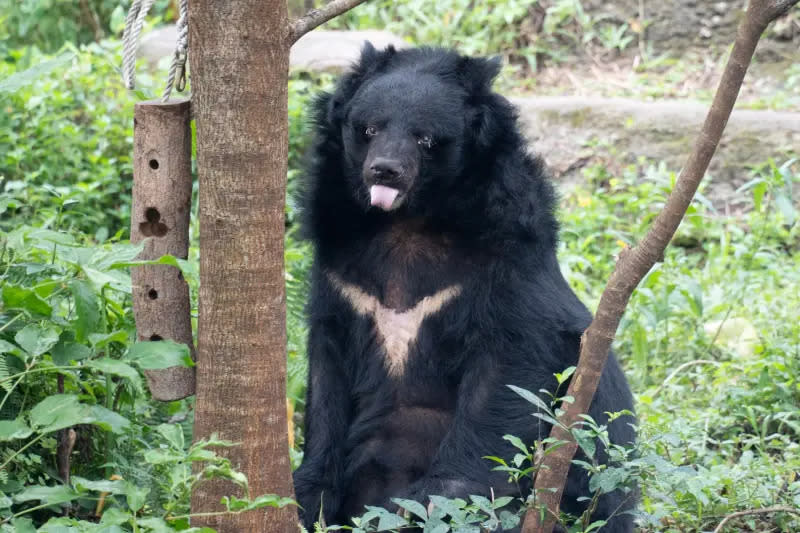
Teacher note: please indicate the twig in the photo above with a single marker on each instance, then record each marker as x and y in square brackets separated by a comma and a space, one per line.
[634, 264]
[750, 512]
[680, 369]
[90, 16]
[65, 446]
[317, 17]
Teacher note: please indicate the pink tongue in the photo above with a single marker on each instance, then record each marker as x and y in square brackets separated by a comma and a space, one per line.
[382, 196]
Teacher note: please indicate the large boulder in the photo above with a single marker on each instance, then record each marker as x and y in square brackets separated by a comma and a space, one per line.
[561, 128]
[319, 50]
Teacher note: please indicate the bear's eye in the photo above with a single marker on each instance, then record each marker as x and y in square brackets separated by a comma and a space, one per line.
[371, 131]
[426, 141]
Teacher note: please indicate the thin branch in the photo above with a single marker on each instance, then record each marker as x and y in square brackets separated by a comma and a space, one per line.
[681, 369]
[750, 512]
[317, 17]
[634, 264]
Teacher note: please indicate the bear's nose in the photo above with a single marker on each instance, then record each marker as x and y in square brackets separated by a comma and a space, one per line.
[386, 168]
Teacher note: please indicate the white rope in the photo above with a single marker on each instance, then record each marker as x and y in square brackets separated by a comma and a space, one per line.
[179, 59]
[130, 39]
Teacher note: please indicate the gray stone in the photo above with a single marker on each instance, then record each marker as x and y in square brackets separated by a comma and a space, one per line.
[320, 50]
[559, 128]
[158, 43]
[335, 51]
[721, 8]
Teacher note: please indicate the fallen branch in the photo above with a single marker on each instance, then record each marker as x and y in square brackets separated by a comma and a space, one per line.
[318, 17]
[750, 512]
[634, 263]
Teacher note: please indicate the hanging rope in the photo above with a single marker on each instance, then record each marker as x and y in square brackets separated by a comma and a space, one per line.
[179, 59]
[130, 39]
[130, 44]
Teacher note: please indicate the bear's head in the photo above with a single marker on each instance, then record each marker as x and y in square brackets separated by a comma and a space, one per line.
[412, 124]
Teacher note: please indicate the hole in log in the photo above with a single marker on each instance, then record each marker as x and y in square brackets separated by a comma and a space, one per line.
[156, 338]
[153, 227]
[154, 164]
[152, 294]
[180, 275]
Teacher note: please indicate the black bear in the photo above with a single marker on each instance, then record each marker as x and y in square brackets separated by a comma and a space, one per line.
[435, 285]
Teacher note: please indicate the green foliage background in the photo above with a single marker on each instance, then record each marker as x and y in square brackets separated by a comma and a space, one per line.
[711, 340]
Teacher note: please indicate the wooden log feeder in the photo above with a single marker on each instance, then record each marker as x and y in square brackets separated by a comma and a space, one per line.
[162, 195]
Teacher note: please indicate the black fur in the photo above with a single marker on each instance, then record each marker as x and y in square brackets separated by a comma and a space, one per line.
[475, 211]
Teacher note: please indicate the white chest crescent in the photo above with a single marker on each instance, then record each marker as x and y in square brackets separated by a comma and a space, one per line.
[397, 331]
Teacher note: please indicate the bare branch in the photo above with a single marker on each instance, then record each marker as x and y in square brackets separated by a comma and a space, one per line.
[317, 17]
[750, 512]
[634, 264]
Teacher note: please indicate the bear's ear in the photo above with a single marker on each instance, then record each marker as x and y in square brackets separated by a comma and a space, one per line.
[487, 111]
[476, 74]
[370, 62]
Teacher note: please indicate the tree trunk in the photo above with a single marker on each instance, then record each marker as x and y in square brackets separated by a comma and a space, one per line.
[240, 58]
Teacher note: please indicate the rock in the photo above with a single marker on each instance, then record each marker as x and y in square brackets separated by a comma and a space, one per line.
[559, 128]
[158, 43]
[720, 8]
[320, 50]
[335, 51]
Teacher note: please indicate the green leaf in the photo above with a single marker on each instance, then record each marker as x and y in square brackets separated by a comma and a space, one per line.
[502, 501]
[59, 411]
[14, 429]
[155, 524]
[108, 419]
[156, 355]
[532, 398]
[585, 440]
[26, 299]
[173, 433]
[785, 206]
[88, 310]
[564, 376]
[36, 339]
[48, 237]
[101, 340]
[114, 516]
[454, 507]
[412, 506]
[65, 352]
[23, 525]
[517, 443]
[48, 495]
[159, 457]
[508, 519]
[389, 521]
[7, 347]
[117, 368]
[22, 79]
[608, 480]
[136, 496]
[113, 487]
[235, 504]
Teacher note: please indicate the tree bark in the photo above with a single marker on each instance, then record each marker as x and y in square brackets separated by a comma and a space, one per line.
[240, 60]
[633, 265]
[162, 196]
[317, 17]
